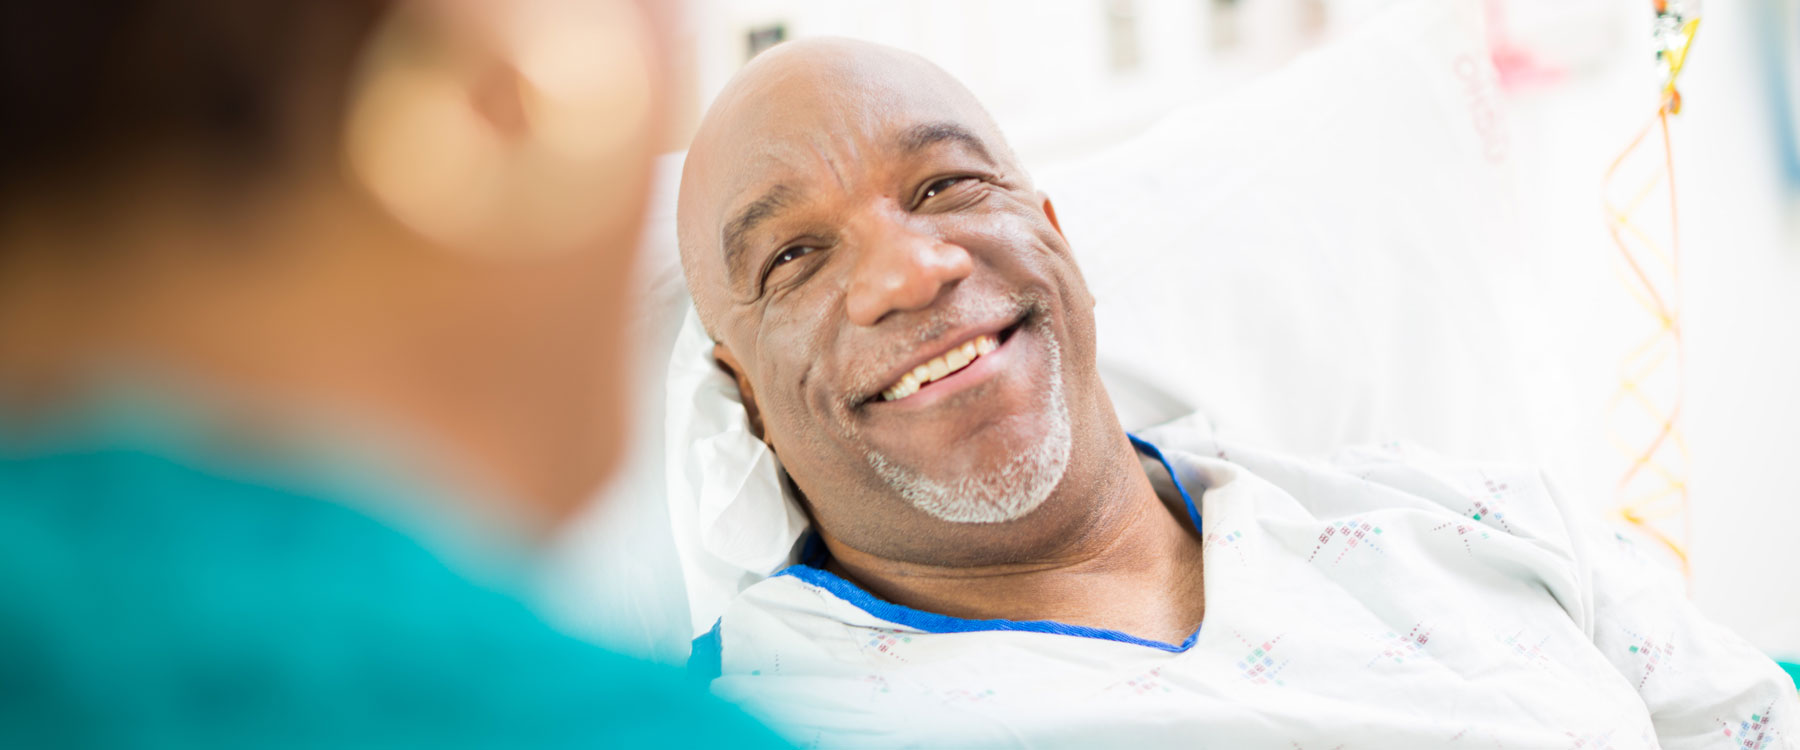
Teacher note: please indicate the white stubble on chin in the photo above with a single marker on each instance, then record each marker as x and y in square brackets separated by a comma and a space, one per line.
[1001, 493]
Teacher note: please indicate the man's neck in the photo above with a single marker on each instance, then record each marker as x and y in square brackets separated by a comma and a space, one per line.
[1135, 569]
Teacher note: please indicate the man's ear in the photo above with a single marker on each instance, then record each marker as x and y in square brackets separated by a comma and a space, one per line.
[1050, 213]
[722, 357]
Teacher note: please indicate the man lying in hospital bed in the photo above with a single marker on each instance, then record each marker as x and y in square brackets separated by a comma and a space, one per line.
[997, 562]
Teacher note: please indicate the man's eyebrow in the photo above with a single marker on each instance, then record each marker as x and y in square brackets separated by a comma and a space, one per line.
[737, 231]
[919, 137]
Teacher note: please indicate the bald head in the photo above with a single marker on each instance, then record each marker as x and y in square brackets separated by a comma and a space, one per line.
[809, 103]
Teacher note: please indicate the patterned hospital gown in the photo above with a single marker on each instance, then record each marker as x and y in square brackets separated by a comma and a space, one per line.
[1388, 600]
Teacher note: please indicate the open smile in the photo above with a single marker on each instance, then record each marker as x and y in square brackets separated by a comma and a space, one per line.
[957, 359]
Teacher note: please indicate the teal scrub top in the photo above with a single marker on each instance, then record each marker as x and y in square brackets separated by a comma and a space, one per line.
[148, 600]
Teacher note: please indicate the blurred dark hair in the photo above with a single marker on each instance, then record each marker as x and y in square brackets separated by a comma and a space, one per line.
[93, 87]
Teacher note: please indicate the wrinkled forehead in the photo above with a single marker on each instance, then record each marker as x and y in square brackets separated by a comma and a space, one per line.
[852, 118]
[815, 116]
[850, 111]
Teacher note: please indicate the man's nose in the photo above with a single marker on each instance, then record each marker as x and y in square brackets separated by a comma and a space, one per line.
[899, 269]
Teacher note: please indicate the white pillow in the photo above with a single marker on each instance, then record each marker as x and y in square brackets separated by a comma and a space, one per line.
[1329, 256]
[1323, 257]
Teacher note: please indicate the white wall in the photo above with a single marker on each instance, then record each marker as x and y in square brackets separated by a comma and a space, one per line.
[1042, 67]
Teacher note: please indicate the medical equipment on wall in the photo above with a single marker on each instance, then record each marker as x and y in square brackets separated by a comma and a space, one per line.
[1653, 492]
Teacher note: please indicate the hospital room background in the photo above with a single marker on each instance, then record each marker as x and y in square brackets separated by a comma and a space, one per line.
[1531, 299]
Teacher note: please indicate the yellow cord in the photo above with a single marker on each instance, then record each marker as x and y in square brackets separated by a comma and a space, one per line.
[1654, 488]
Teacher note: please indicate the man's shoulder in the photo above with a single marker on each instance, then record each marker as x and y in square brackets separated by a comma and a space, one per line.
[1513, 499]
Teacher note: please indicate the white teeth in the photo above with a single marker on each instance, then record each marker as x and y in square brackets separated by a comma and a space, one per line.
[941, 366]
[956, 359]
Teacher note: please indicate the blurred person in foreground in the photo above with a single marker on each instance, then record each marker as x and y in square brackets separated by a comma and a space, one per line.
[309, 325]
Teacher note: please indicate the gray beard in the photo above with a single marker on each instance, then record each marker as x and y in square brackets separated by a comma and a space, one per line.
[1006, 492]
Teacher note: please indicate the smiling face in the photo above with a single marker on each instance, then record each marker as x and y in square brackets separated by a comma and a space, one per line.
[897, 302]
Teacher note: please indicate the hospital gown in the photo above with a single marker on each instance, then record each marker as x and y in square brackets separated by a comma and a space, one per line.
[1390, 599]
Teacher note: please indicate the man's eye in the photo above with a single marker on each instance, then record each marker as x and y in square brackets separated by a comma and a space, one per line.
[789, 254]
[783, 257]
[938, 187]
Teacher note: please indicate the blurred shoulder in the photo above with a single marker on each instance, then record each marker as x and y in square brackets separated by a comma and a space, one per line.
[200, 608]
